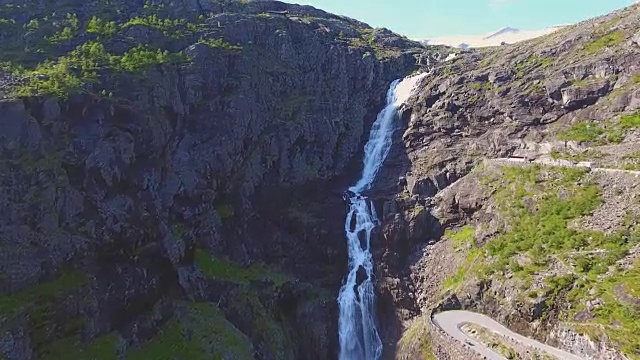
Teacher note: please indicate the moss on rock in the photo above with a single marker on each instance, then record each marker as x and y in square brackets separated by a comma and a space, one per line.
[225, 270]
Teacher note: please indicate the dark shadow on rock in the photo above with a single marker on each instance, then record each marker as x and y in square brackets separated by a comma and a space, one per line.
[407, 225]
[391, 245]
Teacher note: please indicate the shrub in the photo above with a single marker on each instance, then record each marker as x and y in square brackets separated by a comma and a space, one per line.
[219, 43]
[102, 27]
[606, 41]
[142, 57]
[609, 132]
[582, 132]
[629, 122]
[175, 28]
[69, 30]
[84, 65]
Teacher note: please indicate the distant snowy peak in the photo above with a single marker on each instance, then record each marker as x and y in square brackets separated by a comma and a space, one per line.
[506, 35]
[502, 32]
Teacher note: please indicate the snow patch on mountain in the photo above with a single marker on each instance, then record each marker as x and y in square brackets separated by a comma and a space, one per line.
[506, 35]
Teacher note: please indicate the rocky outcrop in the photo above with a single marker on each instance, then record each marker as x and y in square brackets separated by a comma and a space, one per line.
[570, 95]
[577, 97]
[123, 214]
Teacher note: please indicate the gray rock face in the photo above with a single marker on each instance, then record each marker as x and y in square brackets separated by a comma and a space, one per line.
[636, 39]
[554, 86]
[577, 97]
[209, 155]
[491, 103]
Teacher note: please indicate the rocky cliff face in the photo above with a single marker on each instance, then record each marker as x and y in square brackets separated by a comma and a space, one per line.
[170, 177]
[549, 251]
[175, 199]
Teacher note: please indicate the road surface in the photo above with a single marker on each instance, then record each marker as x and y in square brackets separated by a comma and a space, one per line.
[451, 321]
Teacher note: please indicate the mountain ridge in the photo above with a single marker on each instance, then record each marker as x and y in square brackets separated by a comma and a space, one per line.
[153, 158]
[505, 35]
[534, 245]
[171, 172]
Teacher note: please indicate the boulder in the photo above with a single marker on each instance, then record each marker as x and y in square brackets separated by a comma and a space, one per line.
[576, 97]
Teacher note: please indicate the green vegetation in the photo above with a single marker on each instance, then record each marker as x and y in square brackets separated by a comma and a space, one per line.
[462, 238]
[586, 155]
[584, 82]
[608, 40]
[368, 36]
[448, 70]
[416, 335]
[482, 86]
[178, 231]
[201, 333]
[608, 132]
[501, 344]
[606, 26]
[500, 89]
[225, 270]
[82, 66]
[142, 57]
[487, 61]
[68, 29]
[533, 87]
[545, 231]
[626, 333]
[507, 351]
[174, 28]
[265, 328]
[629, 122]
[532, 62]
[245, 298]
[44, 304]
[225, 211]
[7, 23]
[583, 132]
[538, 205]
[39, 297]
[33, 25]
[50, 69]
[453, 282]
[632, 161]
[219, 43]
[103, 348]
[102, 27]
[367, 41]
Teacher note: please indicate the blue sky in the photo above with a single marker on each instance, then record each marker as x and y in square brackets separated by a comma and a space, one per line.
[428, 18]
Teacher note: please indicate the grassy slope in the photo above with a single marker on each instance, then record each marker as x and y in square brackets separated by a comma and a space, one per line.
[198, 331]
[539, 206]
[61, 53]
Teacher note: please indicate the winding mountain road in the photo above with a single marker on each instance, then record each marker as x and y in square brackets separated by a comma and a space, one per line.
[564, 163]
[451, 322]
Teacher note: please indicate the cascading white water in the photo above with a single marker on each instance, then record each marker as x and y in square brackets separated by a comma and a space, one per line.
[357, 331]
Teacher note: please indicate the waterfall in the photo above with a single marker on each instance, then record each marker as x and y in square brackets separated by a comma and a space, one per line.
[357, 331]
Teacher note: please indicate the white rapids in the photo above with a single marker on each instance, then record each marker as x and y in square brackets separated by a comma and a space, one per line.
[357, 330]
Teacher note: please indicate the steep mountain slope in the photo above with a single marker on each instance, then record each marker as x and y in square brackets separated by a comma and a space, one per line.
[550, 251]
[167, 171]
[180, 198]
